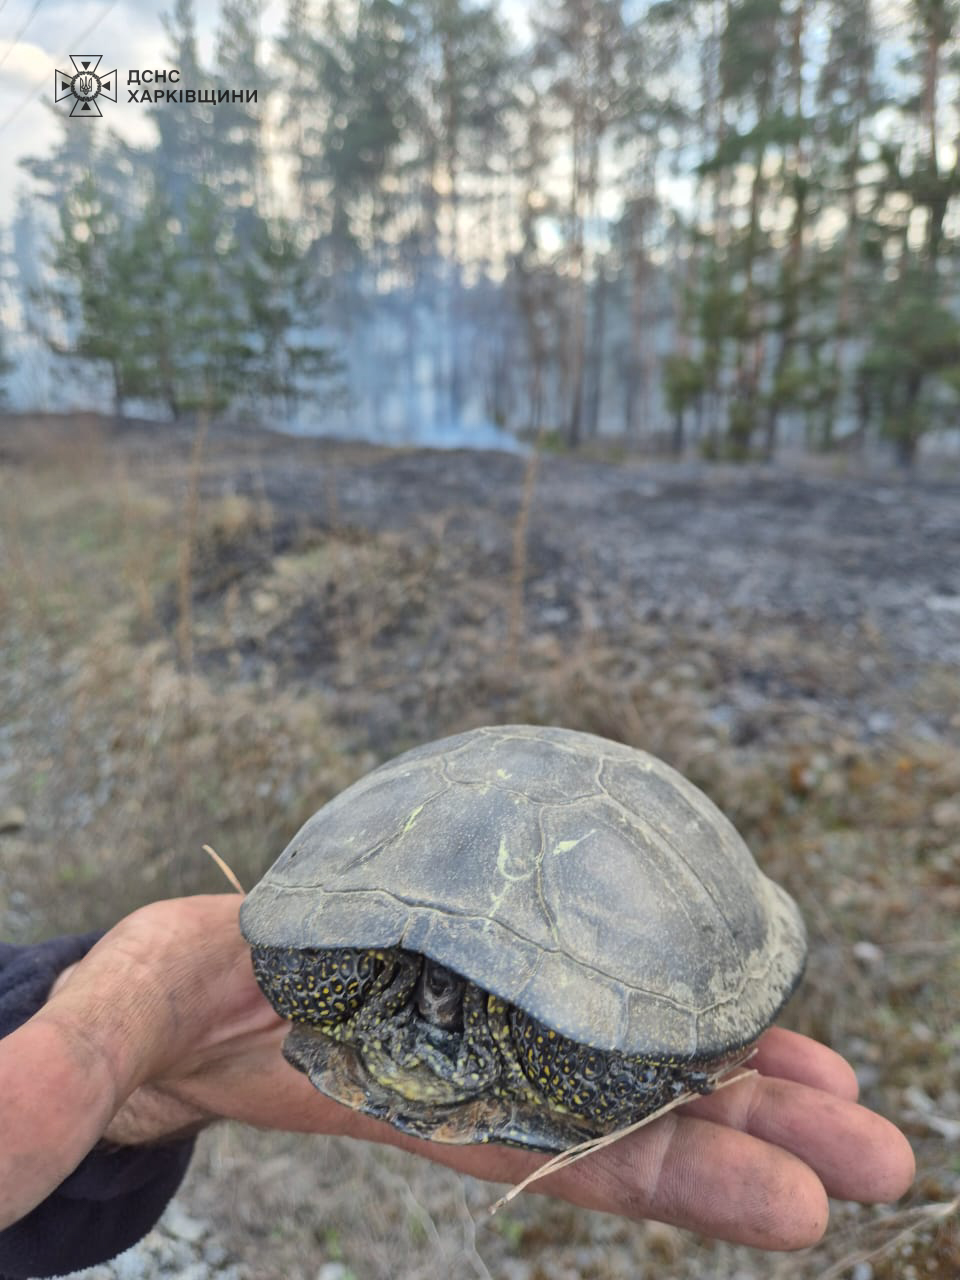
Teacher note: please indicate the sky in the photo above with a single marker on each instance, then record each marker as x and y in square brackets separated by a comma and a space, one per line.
[38, 36]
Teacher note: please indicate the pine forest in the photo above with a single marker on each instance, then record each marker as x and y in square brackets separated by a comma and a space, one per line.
[722, 227]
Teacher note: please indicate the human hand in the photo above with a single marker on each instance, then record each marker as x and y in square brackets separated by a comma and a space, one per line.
[161, 1029]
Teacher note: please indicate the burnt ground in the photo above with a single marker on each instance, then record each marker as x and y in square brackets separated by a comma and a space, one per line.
[174, 672]
[862, 574]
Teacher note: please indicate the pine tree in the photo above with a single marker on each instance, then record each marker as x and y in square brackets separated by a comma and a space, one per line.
[285, 308]
[847, 98]
[751, 72]
[212, 329]
[911, 370]
[914, 309]
[239, 175]
[465, 63]
[154, 352]
[302, 112]
[584, 45]
[185, 156]
[87, 299]
[533, 280]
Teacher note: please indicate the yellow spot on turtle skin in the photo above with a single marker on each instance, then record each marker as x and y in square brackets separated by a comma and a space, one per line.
[502, 773]
[414, 815]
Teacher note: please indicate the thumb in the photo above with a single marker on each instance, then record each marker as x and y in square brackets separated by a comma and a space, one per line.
[67, 1070]
[57, 1095]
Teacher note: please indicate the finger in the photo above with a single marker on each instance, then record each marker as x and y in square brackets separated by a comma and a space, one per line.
[64, 1073]
[707, 1178]
[684, 1171]
[856, 1154]
[791, 1056]
[56, 1096]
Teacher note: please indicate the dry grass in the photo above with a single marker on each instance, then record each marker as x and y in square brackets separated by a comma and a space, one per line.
[518, 566]
[299, 680]
[187, 547]
[140, 762]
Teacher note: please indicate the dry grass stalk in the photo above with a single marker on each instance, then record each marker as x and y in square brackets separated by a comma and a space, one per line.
[22, 574]
[187, 546]
[582, 1149]
[332, 498]
[226, 869]
[184, 633]
[137, 561]
[339, 570]
[903, 1225]
[518, 572]
[470, 1233]
[265, 513]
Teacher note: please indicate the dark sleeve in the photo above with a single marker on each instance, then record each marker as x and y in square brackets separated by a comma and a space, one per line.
[115, 1195]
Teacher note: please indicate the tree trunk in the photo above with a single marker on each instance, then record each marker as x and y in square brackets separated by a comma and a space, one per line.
[791, 269]
[677, 442]
[596, 350]
[451, 127]
[790, 309]
[578, 285]
[742, 420]
[845, 299]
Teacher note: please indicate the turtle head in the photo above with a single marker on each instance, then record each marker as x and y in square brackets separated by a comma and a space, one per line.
[440, 996]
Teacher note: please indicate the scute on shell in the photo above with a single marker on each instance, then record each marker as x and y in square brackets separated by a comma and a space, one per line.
[583, 880]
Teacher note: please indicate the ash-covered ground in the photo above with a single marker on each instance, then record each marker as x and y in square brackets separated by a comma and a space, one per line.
[203, 647]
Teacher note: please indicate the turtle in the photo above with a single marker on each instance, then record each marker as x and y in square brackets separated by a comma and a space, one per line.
[520, 934]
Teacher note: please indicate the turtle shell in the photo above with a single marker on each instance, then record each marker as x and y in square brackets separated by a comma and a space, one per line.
[584, 881]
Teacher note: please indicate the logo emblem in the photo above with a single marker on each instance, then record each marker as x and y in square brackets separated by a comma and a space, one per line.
[85, 84]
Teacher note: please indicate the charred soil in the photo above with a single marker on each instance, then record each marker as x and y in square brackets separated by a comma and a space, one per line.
[204, 648]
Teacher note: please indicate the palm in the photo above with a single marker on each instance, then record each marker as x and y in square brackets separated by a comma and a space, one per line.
[753, 1163]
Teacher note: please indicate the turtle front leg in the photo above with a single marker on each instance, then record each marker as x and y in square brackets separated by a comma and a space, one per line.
[423, 1062]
